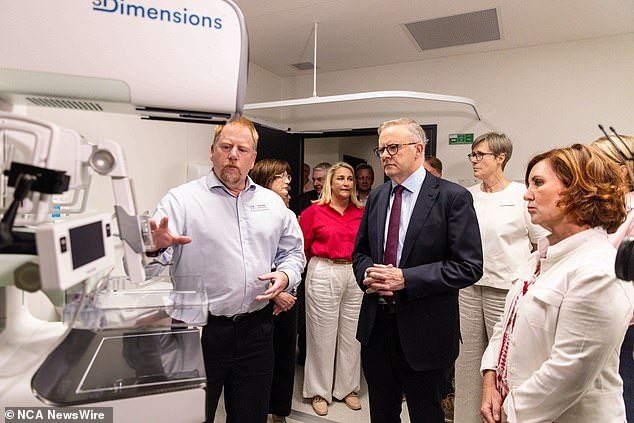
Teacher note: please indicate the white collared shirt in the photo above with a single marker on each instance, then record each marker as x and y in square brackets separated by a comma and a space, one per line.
[412, 186]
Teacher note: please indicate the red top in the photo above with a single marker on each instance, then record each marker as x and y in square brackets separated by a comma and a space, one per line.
[329, 234]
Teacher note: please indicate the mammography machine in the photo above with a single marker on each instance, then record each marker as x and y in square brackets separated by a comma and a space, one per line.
[125, 342]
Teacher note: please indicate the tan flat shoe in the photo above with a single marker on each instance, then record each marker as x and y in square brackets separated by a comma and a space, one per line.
[320, 405]
[352, 401]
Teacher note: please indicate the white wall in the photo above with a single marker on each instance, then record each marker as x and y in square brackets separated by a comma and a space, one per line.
[542, 97]
[263, 86]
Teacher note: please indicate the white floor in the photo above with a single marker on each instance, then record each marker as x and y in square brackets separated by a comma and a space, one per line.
[338, 412]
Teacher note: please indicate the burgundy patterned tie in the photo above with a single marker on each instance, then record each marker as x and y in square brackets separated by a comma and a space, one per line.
[391, 245]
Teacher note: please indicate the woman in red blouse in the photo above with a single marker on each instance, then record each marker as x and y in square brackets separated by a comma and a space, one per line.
[333, 298]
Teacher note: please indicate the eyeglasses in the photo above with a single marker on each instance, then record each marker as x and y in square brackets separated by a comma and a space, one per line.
[392, 149]
[479, 156]
[284, 175]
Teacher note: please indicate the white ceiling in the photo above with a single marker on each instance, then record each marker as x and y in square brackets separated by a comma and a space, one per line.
[361, 33]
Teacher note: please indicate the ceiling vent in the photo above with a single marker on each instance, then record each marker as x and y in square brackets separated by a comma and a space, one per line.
[468, 28]
[303, 66]
[64, 103]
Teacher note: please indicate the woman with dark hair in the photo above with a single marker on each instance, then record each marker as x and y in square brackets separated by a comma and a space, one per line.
[554, 356]
[275, 175]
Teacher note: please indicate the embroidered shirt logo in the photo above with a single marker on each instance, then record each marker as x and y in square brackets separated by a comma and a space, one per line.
[258, 207]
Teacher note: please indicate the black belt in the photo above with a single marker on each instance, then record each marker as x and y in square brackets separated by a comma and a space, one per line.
[241, 316]
[388, 308]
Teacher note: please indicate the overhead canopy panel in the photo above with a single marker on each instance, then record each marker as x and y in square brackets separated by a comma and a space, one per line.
[184, 60]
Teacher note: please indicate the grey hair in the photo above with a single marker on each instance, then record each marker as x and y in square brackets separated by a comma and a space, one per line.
[412, 126]
[498, 143]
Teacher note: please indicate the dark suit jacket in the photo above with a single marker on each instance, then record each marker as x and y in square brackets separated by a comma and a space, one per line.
[442, 253]
[306, 200]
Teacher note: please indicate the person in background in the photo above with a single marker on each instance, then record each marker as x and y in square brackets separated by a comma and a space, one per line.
[433, 165]
[508, 238]
[319, 175]
[365, 179]
[620, 152]
[333, 299]
[418, 245]
[231, 231]
[308, 185]
[306, 200]
[554, 356]
[275, 175]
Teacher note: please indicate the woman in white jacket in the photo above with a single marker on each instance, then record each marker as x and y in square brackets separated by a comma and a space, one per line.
[508, 237]
[554, 355]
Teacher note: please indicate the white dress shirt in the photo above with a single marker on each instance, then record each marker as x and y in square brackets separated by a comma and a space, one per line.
[408, 200]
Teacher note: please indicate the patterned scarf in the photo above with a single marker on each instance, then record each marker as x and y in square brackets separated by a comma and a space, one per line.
[501, 369]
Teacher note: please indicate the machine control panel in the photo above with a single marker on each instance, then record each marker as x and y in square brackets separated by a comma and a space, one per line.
[73, 250]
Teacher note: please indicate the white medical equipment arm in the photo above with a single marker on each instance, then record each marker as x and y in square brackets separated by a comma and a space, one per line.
[108, 159]
[58, 160]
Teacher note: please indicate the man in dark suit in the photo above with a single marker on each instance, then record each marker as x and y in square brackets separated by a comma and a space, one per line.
[319, 176]
[411, 264]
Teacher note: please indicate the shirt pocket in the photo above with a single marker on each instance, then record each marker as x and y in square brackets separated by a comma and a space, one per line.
[542, 308]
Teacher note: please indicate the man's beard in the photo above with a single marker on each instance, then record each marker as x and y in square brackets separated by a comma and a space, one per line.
[231, 177]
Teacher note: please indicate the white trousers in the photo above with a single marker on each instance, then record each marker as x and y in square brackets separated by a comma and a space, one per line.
[333, 354]
[481, 307]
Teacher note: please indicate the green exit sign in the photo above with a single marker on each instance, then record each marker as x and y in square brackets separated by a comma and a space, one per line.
[460, 139]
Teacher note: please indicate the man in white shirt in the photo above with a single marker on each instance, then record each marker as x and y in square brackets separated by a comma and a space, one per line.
[231, 233]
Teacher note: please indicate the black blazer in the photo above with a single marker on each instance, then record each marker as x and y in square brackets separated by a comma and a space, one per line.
[442, 252]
